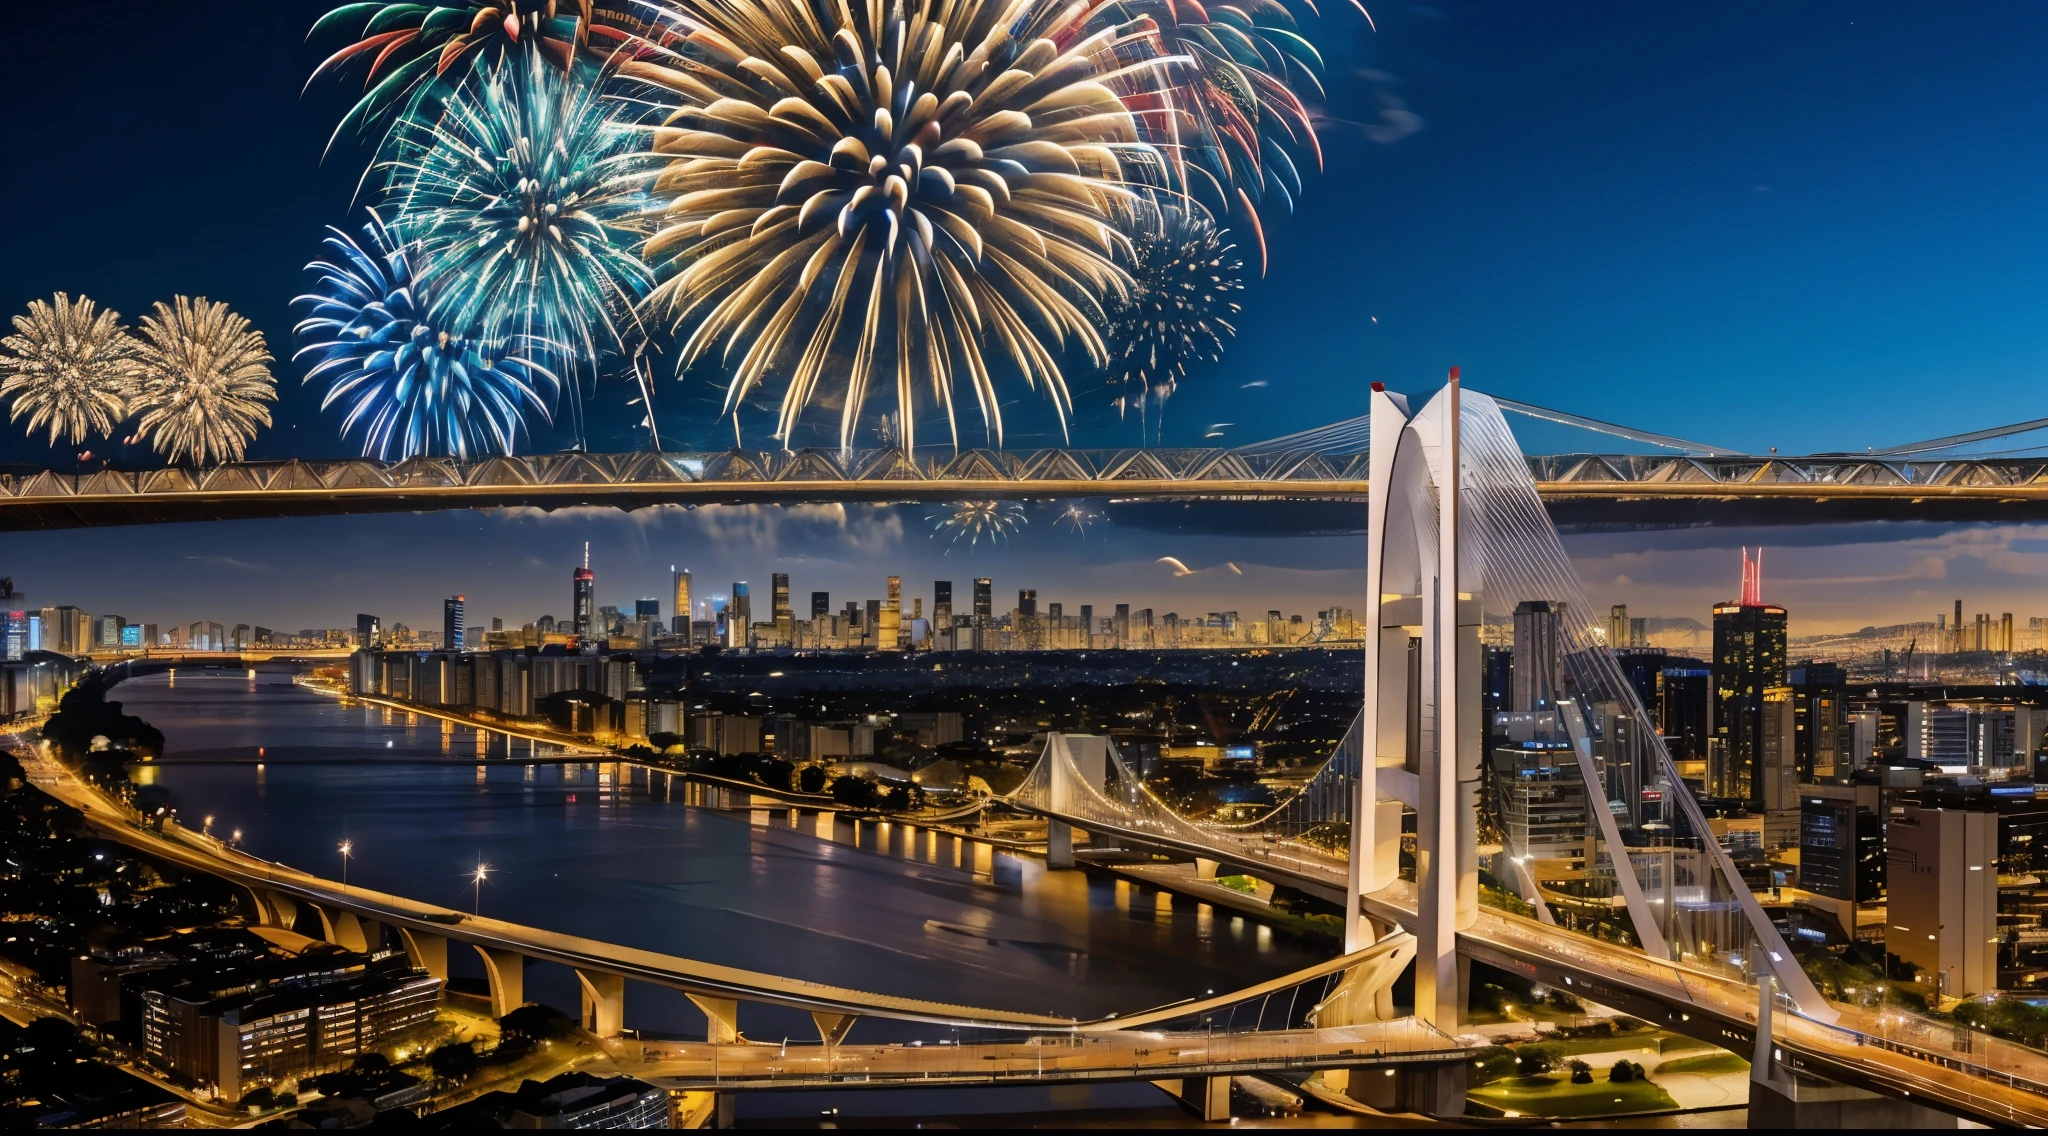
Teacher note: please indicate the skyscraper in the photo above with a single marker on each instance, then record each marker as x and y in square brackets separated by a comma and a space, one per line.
[368, 631]
[942, 603]
[684, 613]
[889, 633]
[1538, 654]
[984, 613]
[1749, 658]
[821, 604]
[1027, 619]
[452, 624]
[739, 617]
[785, 620]
[583, 600]
[1617, 626]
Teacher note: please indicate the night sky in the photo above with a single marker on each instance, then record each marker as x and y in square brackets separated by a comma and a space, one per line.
[1813, 226]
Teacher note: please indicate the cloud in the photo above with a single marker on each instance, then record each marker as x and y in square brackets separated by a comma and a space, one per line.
[231, 562]
[1396, 122]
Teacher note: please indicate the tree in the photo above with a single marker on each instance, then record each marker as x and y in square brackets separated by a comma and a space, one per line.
[811, 779]
[1623, 1072]
[528, 1026]
[1582, 1073]
[1538, 1057]
[1491, 1064]
[454, 1061]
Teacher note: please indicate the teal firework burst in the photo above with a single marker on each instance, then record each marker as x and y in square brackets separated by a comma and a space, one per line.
[523, 197]
[409, 383]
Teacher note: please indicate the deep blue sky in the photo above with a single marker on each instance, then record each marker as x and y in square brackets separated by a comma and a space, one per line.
[1810, 226]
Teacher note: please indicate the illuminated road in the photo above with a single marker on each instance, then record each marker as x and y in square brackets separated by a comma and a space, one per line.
[1893, 1053]
[1103, 1056]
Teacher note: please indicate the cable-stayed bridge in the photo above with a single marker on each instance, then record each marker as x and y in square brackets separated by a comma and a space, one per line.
[1457, 533]
[1297, 483]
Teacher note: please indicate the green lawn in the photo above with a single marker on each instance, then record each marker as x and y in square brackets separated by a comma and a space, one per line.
[1706, 1064]
[1553, 1095]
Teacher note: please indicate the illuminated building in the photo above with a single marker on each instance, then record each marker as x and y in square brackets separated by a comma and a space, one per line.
[1749, 659]
[583, 598]
[452, 623]
[683, 612]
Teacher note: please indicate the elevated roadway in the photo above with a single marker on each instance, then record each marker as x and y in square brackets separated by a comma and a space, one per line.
[1900, 1055]
[1290, 490]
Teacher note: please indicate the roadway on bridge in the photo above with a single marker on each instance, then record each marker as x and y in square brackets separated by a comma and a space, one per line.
[1120, 1055]
[203, 854]
[1895, 1053]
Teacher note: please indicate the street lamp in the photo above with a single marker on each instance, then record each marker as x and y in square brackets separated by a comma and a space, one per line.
[347, 847]
[477, 907]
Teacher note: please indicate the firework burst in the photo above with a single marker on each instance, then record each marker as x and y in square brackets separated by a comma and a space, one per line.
[1231, 121]
[520, 199]
[205, 383]
[976, 521]
[856, 194]
[71, 368]
[413, 385]
[1178, 313]
[1077, 518]
[410, 45]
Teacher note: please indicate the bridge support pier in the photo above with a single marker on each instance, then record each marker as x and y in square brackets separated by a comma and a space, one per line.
[721, 1018]
[833, 1028]
[1206, 1097]
[604, 1002]
[506, 972]
[1433, 1090]
[343, 929]
[1059, 844]
[281, 910]
[427, 952]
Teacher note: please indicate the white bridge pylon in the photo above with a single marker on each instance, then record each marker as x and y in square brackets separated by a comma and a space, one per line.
[1419, 740]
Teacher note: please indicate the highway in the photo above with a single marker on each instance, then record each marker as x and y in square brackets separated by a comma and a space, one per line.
[1962, 1071]
[1120, 1055]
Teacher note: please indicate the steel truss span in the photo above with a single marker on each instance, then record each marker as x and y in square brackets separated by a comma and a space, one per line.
[1233, 490]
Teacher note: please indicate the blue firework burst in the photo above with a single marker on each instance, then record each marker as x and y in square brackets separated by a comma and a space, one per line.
[411, 382]
[521, 194]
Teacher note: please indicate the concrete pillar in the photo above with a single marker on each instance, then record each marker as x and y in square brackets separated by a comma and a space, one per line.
[429, 952]
[506, 972]
[1059, 844]
[604, 1002]
[833, 1028]
[342, 928]
[1205, 869]
[721, 1018]
[1207, 1097]
[283, 911]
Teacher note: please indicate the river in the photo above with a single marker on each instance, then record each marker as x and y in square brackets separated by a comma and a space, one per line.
[570, 850]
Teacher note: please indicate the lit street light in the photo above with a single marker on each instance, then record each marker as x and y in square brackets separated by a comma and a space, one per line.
[478, 902]
[347, 847]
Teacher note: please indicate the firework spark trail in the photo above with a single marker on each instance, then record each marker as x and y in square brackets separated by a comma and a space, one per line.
[1231, 118]
[1077, 518]
[70, 366]
[1178, 310]
[854, 194]
[412, 385]
[993, 521]
[413, 49]
[205, 382]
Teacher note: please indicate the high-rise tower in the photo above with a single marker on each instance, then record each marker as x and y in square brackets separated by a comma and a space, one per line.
[1749, 659]
[684, 613]
[889, 632]
[452, 632]
[583, 603]
[1537, 682]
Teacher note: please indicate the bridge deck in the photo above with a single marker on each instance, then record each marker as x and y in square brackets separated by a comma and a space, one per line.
[1581, 488]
